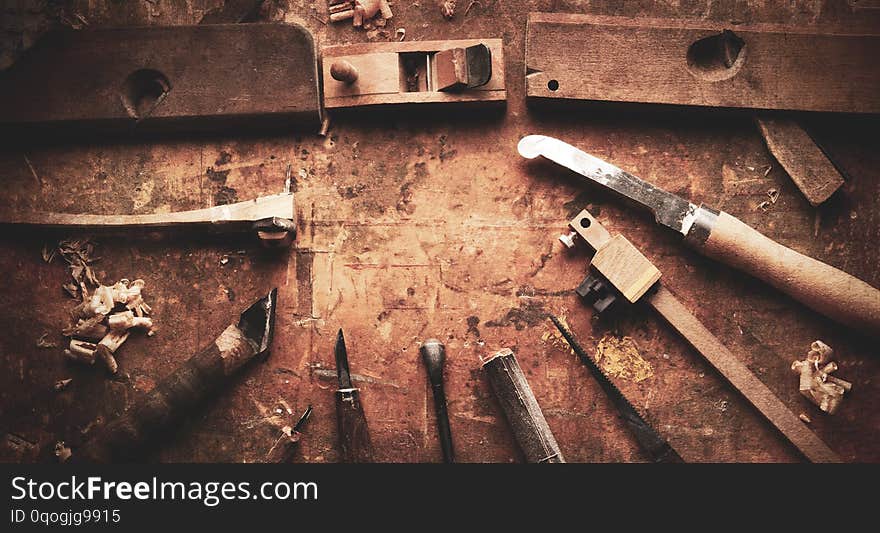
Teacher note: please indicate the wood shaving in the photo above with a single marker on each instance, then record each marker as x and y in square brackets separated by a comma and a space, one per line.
[78, 254]
[815, 380]
[62, 384]
[448, 9]
[43, 343]
[103, 322]
[619, 357]
[773, 196]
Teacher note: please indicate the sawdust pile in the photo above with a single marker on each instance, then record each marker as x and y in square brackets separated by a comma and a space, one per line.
[619, 357]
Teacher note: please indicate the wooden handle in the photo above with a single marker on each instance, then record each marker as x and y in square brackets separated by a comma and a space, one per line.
[823, 288]
[354, 437]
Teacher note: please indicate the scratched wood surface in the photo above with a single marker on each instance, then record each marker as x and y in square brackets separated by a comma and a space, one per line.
[414, 225]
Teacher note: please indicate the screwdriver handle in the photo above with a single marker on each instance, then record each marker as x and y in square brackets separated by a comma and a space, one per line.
[434, 356]
[821, 287]
[354, 437]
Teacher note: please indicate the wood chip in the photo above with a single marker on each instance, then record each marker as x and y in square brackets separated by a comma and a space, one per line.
[43, 343]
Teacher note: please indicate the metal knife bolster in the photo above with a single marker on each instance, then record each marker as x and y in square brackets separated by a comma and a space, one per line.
[700, 225]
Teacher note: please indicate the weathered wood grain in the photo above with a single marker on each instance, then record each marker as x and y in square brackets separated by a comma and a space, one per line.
[809, 168]
[190, 78]
[589, 57]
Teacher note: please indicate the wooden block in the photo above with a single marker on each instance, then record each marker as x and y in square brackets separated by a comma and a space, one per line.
[625, 267]
[205, 77]
[809, 167]
[383, 74]
[684, 62]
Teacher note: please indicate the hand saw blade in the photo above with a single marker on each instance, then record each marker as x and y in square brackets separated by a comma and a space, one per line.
[649, 440]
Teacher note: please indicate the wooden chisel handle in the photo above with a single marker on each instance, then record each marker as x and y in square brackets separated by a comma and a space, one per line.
[354, 436]
[825, 289]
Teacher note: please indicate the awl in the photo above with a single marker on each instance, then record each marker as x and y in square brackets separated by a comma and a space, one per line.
[723, 237]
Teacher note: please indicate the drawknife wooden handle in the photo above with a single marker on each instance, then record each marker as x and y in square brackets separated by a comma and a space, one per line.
[822, 287]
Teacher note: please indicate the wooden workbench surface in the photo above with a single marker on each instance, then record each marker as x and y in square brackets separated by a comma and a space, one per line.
[415, 225]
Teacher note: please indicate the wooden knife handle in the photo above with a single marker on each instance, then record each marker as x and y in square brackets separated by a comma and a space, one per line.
[825, 289]
[354, 437]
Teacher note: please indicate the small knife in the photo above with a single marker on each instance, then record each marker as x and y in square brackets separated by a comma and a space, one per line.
[649, 440]
[723, 237]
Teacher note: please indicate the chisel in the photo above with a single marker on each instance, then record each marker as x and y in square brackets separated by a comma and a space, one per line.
[723, 237]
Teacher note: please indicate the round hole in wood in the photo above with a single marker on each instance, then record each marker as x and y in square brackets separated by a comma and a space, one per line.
[553, 85]
[717, 57]
[143, 91]
[585, 222]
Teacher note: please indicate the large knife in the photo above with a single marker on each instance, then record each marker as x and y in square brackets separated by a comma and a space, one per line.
[716, 234]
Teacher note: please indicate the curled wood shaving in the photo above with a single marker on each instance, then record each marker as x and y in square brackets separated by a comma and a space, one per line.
[815, 380]
[62, 384]
[448, 9]
[773, 196]
[43, 343]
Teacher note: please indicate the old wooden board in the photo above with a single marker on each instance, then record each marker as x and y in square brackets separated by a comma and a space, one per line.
[692, 62]
[411, 228]
[396, 73]
[130, 80]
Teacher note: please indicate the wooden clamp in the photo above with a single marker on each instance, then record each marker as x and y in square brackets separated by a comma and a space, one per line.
[370, 74]
[630, 274]
[270, 217]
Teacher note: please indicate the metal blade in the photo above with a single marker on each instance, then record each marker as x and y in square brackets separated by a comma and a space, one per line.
[303, 419]
[650, 441]
[257, 322]
[669, 210]
[342, 373]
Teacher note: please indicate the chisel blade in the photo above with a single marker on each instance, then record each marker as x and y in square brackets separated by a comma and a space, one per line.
[668, 209]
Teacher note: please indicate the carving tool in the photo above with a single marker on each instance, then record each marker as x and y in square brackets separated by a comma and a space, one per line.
[521, 409]
[649, 440]
[723, 237]
[434, 355]
[194, 381]
[285, 446]
[623, 274]
[354, 437]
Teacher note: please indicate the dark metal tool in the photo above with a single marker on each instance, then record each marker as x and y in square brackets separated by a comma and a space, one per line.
[721, 236]
[621, 274]
[284, 447]
[649, 440]
[434, 355]
[194, 381]
[354, 437]
[521, 409]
